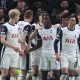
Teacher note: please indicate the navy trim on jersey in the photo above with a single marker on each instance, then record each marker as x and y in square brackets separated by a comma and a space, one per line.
[70, 29]
[32, 44]
[79, 42]
[3, 50]
[32, 28]
[38, 36]
[4, 30]
[59, 38]
[28, 29]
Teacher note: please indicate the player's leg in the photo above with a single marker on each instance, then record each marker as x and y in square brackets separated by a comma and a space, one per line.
[55, 66]
[5, 66]
[35, 64]
[44, 62]
[23, 64]
[78, 68]
[72, 70]
[14, 64]
[64, 68]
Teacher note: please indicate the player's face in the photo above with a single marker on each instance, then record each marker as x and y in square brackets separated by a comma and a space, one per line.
[45, 19]
[78, 16]
[72, 22]
[17, 18]
[64, 22]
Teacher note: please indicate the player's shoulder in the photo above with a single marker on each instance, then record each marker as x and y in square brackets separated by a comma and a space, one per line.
[64, 28]
[5, 25]
[76, 25]
[34, 24]
[77, 30]
[23, 23]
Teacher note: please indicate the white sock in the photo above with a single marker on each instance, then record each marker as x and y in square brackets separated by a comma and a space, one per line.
[63, 77]
[12, 78]
[21, 77]
[72, 78]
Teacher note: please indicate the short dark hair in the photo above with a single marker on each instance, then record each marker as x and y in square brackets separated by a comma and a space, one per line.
[71, 16]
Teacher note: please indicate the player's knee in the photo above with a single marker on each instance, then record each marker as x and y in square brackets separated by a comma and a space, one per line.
[35, 71]
[4, 73]
[64, 70]
[72, 73]
[13, 72]
[24, 72]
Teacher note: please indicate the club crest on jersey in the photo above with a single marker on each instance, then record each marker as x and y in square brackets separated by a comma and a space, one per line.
[47, 38]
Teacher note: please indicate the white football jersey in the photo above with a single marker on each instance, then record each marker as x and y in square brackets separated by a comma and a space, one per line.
[69, 41]
[11, 36]
[48, 37]
[21, 25]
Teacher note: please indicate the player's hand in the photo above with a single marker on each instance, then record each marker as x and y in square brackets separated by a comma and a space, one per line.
[24, 46]
[22, 52]
[16, 49]
[28, 50]
[78, 70]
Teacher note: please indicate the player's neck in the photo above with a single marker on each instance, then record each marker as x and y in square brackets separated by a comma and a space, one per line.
[27, 20]
[71, 28]
[40, 23]
[48, 26]
[12, 22]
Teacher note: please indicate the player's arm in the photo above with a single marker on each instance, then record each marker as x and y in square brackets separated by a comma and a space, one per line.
[57, 25]
[4, 31]
[33, 34]
[39, 43]
[58, 38]
[25, 36]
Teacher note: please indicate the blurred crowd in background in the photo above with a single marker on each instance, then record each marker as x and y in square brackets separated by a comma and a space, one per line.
[58, 9]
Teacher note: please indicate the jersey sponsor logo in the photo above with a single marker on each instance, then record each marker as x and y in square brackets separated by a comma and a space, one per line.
[70, 41]
[47, 38]
[14, 36]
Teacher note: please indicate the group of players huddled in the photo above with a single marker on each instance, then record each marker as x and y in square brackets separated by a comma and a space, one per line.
[51, 51]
